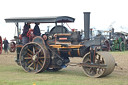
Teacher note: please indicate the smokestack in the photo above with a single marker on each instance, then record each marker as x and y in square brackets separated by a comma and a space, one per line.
[86, 25]
[112, 31]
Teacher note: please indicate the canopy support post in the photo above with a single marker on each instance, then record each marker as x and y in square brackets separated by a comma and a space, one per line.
[17, 26]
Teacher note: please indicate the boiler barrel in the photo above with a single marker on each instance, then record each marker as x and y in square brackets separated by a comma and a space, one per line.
[74, 52]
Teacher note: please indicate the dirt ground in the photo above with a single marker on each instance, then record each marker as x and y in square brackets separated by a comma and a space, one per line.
[121, 58]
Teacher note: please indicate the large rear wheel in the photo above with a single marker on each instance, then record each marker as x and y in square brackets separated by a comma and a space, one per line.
[34, 58]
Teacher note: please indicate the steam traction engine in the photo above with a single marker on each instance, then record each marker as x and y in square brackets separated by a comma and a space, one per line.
[52, 50]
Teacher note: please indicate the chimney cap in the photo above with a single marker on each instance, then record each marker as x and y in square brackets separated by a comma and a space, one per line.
[86, 12]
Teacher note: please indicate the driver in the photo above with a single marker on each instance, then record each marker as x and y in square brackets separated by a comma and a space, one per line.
[36, 30]
[25, 38]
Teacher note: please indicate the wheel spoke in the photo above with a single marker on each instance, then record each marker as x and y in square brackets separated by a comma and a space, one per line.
[34, 66]
[39, 63]
[30, 64]
[27, 58]
[33, 50]
[90, 70]
[41, 57]
[99, 70]
[95, 70]
[29, 61]
[37, 66]
[30, 51]
[38, 52]
[29, 54]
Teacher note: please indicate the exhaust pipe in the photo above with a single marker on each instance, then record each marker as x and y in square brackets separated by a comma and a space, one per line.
[111, 33]
[86, 25]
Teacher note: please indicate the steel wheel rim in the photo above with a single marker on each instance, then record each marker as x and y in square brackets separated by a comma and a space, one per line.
[32, 57]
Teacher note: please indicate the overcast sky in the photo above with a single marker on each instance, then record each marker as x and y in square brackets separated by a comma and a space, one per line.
[103, 12]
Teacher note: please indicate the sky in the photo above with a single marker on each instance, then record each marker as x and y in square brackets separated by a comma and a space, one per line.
[104, 13]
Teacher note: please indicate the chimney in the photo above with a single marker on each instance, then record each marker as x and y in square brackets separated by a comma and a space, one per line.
[86, 25]
[112, 31]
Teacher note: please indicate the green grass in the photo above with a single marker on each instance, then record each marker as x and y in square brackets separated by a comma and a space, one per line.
[118, 52]
[15, 75]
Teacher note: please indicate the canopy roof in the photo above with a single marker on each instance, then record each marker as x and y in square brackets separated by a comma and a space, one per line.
[121, 33]
[54, 19]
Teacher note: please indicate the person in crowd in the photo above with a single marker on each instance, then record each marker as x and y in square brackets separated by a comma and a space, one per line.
[36, 30]
[25, 38]
[5, 42]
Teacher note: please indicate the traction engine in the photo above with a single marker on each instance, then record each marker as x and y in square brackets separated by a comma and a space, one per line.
[52, 50]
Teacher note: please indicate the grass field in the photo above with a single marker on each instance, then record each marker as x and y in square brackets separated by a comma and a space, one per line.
[12, 74]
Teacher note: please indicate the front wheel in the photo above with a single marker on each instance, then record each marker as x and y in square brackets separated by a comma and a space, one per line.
[101, 58]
